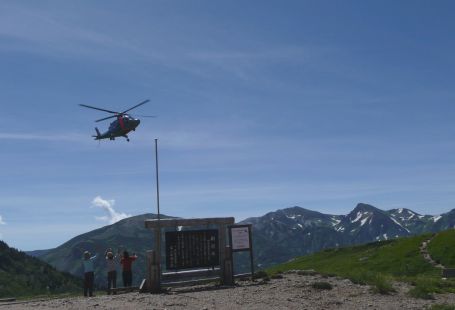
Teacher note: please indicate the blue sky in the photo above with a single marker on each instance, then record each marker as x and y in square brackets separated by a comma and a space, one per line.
[261, 105]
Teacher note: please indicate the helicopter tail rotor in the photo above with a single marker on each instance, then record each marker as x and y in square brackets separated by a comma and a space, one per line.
[98, 134]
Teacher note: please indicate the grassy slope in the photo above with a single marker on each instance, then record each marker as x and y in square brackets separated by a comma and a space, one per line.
[378, 263]
[442, 248]
[397, 258]
[22, 275]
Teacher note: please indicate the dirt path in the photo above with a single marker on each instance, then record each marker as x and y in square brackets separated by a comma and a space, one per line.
[293, 291]
[426, 255]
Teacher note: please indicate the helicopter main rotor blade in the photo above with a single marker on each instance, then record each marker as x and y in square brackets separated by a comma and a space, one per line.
[143, 102]
[103, 119]
[153, 116]
[88, 106]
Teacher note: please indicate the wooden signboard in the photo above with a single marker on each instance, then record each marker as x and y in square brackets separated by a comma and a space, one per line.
[192, 249]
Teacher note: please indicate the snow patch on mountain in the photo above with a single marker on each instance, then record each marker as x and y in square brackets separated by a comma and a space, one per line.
[358, 217]
[363, 221]
[396, 222]
[335, 221]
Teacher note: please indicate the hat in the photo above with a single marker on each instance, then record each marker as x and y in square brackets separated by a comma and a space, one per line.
[109, 254]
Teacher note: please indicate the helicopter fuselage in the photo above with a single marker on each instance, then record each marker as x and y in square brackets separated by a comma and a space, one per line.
[119, 128]
[123, 124]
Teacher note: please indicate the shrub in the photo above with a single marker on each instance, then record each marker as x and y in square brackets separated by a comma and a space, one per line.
[422, 292]
[309, 272]
[260, 274]
[442, 307]
[382, 285]
[276, 276]
[322, 285]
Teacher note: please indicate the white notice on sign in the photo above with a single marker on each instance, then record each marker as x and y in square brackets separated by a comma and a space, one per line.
[240, 238]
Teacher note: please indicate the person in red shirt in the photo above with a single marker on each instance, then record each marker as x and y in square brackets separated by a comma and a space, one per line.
[126, 263]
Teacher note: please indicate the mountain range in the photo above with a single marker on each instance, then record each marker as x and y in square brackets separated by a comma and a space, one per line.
[278, 236]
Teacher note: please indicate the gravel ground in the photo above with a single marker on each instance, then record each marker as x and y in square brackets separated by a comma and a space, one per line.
[293, 291]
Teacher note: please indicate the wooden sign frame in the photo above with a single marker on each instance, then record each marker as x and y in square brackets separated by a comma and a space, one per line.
[241, 244]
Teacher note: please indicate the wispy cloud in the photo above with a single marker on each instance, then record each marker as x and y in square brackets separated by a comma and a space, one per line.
[2, 222]
[50, 32]
[108, 206]
[72, 137]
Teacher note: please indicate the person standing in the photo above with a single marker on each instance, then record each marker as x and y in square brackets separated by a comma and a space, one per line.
[111, 270]
[89, 275]
[127, 273]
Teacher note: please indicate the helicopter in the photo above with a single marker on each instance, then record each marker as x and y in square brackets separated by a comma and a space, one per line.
[121, 126]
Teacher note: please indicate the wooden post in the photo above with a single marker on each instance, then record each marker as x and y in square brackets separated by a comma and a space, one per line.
[222, 245]
[149, 275]
[228, 276]
[157, 258]
[250, 228]
[153, 273]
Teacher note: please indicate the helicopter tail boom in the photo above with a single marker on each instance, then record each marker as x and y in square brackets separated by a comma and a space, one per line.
[98, 134]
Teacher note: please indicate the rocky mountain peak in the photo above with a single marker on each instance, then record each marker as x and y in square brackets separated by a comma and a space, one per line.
[365, 208]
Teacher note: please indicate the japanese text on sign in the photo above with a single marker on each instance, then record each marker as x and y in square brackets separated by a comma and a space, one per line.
[192, 249]
[240, 238]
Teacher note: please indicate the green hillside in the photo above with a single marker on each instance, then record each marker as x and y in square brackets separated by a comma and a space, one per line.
[442, 248]
[23, 275]
[380, 263]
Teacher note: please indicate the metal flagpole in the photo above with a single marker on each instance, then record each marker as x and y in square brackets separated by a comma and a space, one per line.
[158, 230]
[157, 181]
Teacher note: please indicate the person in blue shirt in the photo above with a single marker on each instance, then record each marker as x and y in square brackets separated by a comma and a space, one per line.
[89, 275]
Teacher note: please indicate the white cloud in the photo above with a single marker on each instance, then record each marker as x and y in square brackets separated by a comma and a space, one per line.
[108, 206]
